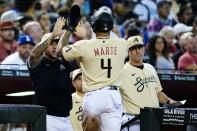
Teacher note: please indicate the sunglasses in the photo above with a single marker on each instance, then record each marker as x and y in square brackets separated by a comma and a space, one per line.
[136, 47]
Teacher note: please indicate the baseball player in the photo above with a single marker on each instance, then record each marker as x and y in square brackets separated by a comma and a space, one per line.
[102, 61]
[141, 85]
[77, 97]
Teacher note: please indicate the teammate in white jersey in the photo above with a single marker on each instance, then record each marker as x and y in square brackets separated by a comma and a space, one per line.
[141, 85]
[102, 61]
[77, 98]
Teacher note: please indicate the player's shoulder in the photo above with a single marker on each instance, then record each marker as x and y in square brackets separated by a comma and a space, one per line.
[80, 42]
[128, 67]
[120, 39]
[149, 66]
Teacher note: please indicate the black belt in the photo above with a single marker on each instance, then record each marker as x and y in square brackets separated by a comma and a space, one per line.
[112, 87]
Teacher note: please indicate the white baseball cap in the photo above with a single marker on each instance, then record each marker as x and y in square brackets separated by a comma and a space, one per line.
[135, 40]
[181, 28]
[10, 15]
[75, 73]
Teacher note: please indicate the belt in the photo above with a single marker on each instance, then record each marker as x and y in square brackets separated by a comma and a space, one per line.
[111, 87]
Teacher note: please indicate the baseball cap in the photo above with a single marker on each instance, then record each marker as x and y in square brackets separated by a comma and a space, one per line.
[25, 39]
[105, 9]
[47, 35]
[10, 15]
[135, 40]
[75, 73]
[6, 24]
[162, 2]
[181, 28]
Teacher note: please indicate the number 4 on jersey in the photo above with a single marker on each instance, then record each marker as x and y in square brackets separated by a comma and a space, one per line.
[108, 67]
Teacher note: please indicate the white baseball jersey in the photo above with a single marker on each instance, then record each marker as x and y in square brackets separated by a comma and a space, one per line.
[140, 88]
[76, 112]
[101, 60]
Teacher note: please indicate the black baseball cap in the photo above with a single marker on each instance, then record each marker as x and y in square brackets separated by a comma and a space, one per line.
[163, 2]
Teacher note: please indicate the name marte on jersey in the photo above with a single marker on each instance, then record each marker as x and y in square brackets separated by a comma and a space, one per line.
[107, 50]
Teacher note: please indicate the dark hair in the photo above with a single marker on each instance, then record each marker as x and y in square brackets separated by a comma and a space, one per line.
[24, 5]
[162, 3]
[133, 30]
[152, 49]
[195, 21]
[41, 14]
[181, 12]
[24, 20]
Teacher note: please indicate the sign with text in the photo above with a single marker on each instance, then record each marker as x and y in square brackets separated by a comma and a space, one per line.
[14, 73]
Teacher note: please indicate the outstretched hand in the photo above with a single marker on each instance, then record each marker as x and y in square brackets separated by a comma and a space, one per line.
[80, 31]
[57, 30]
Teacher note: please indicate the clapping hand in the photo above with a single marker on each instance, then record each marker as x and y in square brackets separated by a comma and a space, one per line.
[57, 30]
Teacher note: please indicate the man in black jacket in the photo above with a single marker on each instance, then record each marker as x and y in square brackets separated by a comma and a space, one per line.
[51, 81]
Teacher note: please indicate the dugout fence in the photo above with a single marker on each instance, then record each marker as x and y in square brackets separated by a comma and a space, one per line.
[30, 114]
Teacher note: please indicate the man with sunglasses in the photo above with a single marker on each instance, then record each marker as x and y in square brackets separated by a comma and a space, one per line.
[141, 85]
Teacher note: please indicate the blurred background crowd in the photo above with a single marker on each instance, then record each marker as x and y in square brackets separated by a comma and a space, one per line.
[169, 28]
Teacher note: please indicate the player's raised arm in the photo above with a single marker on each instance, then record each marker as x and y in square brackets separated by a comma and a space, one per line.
[72, 22]
[39, 49]
[64, 40]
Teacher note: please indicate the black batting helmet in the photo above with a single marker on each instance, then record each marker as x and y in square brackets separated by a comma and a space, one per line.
[102, 20]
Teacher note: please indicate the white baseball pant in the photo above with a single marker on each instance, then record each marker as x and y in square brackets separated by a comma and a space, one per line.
[106, 104]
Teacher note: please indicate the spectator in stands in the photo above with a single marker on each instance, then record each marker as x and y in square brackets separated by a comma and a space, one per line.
[188, 61]
[44, 20]
[50, 5]
[89, 31]
[168, 34]
[141, 85]
[183, 42]
[13, 16]
[146, 9]
[50, 75]
[25, 7]
[162, 19]
[3, 6]
[25, 45]
[23, 21]
[132, 30]
[194, 29]
[185, 14]
[33, 29]
[7, 43]
[77, 98]
[180, 29]
[159, 54]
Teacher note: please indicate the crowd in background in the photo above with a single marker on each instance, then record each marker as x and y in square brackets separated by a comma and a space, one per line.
[162, 23]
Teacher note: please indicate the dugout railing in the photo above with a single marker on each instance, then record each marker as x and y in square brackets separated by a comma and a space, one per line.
[31, 114]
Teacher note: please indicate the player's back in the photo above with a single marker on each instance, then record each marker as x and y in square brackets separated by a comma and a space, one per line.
[102, 61]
